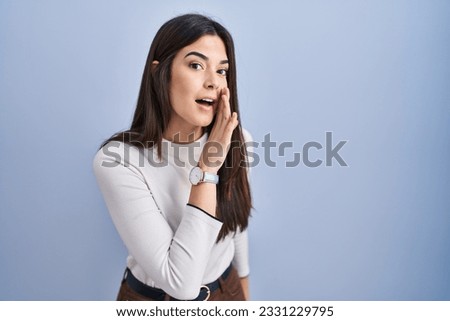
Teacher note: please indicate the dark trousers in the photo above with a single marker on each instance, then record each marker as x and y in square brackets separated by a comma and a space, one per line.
[229, 290]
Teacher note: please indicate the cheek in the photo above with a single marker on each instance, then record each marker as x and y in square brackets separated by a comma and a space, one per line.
[224, 82]
[185, 86]
[178, 91]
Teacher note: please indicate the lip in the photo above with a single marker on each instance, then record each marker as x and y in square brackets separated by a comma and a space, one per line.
[214, 99]
[207, 107]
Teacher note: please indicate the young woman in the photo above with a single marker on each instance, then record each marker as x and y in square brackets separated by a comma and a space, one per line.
[176, 182]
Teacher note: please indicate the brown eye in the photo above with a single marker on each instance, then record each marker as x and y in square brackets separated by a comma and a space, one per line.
[195, 66]
[223, 72]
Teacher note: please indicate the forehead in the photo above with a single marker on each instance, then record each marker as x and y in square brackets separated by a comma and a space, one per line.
[209, 45]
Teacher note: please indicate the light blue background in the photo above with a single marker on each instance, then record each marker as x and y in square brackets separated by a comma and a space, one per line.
[375, 73]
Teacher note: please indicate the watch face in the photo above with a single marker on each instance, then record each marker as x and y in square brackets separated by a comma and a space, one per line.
[196, 175]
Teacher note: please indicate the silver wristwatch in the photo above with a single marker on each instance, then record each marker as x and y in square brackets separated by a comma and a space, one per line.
[198, 176]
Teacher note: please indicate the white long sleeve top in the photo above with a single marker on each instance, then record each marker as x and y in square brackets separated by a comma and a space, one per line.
[171, 244]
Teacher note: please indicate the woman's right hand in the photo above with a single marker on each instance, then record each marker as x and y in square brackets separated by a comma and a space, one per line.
[218, 144]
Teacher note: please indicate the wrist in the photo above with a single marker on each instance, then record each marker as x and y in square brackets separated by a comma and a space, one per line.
[199, 175]
[208, 169]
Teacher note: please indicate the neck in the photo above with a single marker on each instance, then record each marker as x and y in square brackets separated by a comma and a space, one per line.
[183, 136]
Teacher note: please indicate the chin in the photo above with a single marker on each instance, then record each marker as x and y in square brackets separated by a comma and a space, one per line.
[205, 122]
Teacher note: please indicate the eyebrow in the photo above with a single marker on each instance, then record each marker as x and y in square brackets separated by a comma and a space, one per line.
[198, 54]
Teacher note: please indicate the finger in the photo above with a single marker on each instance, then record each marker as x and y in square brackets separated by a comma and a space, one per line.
[232, 124]
[227, 93]
[235, 119]
[219, 114]
[226, 111]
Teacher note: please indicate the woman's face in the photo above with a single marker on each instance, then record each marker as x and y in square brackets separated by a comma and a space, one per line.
[197, 77]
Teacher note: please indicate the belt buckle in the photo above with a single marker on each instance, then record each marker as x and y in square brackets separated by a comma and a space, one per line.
[208, 291]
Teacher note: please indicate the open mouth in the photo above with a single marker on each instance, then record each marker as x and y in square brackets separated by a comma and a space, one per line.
[205, 101]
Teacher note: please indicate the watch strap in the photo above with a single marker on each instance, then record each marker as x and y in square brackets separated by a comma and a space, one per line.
[210, 178]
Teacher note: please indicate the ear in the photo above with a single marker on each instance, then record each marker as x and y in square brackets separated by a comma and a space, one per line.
[154, 64]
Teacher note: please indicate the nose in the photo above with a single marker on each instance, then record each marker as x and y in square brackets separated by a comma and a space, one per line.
[212, 80]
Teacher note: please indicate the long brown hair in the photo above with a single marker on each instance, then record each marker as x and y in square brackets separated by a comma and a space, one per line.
[153, 110]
